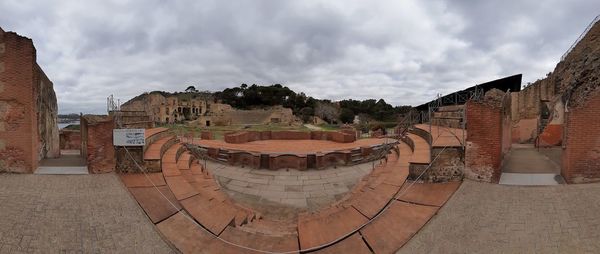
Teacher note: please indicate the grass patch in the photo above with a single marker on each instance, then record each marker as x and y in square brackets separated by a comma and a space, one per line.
[219, 131]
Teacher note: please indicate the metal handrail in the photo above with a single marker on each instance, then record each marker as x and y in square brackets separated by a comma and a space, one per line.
[587, 29]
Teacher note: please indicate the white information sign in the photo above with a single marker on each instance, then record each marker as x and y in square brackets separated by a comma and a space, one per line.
[129, 137]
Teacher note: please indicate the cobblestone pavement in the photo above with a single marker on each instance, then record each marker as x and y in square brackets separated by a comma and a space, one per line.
[304, 190]
[490, 218]
[73, 214]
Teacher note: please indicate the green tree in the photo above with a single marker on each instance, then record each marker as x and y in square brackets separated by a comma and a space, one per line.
[346, 115]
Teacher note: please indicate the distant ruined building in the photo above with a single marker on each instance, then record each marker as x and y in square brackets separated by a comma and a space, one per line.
[201, 109]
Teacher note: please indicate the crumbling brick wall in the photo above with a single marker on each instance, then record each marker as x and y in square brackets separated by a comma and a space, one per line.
[99, 150]
[581, 156]
[28, 122]
[484, 142]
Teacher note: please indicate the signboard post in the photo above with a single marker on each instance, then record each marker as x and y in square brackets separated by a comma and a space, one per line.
[129, 137]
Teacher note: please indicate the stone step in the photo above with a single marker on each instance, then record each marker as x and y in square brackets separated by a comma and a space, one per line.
[154, 149]
[451, 108]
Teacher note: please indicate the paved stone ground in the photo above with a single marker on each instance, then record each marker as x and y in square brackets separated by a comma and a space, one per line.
[527, 159]
[287, 190]
[73, 214]
[490, 218]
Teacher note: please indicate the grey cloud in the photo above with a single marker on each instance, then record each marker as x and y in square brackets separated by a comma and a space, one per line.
[402, 51]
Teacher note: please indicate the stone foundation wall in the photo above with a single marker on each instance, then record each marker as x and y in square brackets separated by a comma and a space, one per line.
[449, 166]
[124, 163]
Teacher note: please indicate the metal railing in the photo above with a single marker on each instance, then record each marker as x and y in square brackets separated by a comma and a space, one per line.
[587, 29]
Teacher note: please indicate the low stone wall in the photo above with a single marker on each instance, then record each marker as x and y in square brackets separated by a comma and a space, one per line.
[296, 161]
[206, 135]
[70, 139]
[249, 136]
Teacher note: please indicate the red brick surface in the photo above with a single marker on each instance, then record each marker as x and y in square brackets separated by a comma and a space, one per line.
[70, 139]
[552, 135]
[484, 142]
[206, 135]
[18, 123]
[249, 136]
[581, 158]
[100, 151]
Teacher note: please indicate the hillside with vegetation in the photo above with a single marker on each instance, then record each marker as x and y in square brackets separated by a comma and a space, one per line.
[245, 97]
[302, 105]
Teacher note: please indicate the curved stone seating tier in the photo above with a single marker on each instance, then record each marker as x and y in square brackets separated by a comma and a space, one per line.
[248, 136]
[444, 136]
[196, 210]
[155, 134]
[300, 161]
[153, 152]
[422, 150]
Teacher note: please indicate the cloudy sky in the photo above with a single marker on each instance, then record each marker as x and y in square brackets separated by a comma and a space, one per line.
[402, 51]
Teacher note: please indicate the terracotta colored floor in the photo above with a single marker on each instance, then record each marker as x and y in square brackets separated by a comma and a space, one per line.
[444, 136]
[150, 132]
[292, 146]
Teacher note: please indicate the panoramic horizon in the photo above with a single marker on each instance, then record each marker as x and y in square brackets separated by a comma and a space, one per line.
[404, 53]
[343, 145]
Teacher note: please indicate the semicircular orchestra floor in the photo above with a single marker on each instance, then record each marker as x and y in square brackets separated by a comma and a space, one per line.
[210, 207]
[282, 194]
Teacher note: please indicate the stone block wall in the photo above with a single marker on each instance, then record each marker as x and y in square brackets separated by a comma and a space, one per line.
[288, 161]
[483, 156]
[99, 150]
[449, 165]
[581, 156]
[28, 108]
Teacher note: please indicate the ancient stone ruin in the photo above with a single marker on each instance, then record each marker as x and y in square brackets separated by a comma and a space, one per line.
[308, 191]
[200, 109]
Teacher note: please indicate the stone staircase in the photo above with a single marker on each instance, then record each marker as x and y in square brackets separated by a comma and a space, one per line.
[133, 119]
[380, 214]
[448, 116]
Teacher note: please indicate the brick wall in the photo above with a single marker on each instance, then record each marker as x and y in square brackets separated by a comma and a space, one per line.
[484, 142]
[581, 156]
[70, 139]
[248, 136]
[28, 108]
[99, 149]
